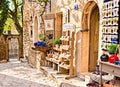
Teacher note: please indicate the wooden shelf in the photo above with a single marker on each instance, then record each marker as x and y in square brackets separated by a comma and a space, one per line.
[65, 47]
[57, 49]
[66, 56]
[65, 39]
[53, 60]
[108, 68]
[65, 66]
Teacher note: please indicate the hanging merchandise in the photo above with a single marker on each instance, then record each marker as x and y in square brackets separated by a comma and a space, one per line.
[110, 23]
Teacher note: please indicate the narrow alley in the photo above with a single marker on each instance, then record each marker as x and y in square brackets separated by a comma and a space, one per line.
[17, 74]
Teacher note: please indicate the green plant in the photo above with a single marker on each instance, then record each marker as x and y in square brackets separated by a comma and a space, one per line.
[57, 41]
[113, 48]
[42, 37]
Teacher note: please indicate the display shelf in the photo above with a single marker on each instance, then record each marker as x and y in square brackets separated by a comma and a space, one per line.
[67, 53]
[65, 47]
[57, 49]
[108, 68]
[65, 38]
[61, 59]
[67, 56]
[53, 60]
[110, 23]
[65, 66]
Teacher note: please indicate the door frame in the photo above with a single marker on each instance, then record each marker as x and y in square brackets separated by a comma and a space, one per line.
[92, 30]
[7, 41]
[85, 45]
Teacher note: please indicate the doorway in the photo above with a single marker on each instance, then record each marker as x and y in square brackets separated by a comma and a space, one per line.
[13, 48]
[90, 37]
[94, 38]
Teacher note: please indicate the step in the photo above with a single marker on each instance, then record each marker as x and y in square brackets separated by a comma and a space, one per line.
[85, 76]
[60, 78]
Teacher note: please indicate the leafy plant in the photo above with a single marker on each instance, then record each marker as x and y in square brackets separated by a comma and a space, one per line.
[42, 37]
[57, 41]
[113, 48]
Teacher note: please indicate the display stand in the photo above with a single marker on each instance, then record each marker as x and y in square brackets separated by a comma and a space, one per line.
[68, 53]
[63, 57]
[110, 23]
[108, 68]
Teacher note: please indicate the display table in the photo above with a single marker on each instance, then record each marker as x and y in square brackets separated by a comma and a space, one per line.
[108, 68]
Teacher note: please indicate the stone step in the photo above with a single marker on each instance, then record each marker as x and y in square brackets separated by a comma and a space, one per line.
[60, 78]
[85, 76]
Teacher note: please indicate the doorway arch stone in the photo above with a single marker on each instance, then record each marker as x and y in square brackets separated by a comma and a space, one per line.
[89, 16]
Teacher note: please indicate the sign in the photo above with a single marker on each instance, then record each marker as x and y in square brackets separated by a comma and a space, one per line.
[68, 26]
[49, 24]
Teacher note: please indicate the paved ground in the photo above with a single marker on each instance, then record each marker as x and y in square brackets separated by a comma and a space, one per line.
[16, 74]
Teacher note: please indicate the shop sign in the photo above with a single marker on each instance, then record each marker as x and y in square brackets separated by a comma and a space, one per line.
[68, 26]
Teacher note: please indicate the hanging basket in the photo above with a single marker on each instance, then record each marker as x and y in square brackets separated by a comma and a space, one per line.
[43, 49]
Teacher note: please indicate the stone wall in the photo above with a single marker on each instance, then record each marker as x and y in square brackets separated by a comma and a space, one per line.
[82, 39]
[77, 17]
[32, 23]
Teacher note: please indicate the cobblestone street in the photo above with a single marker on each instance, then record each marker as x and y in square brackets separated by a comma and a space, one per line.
[16, 74]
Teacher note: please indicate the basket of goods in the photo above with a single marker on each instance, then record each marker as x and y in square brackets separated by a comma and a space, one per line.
[41, 46]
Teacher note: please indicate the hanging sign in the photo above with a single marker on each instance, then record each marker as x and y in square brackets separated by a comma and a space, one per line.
[68, 26]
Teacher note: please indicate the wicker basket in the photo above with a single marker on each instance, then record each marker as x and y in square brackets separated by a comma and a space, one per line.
[43, 49]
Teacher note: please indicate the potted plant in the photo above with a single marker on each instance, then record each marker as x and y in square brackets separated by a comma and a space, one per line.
[113, 50]
[57, 42]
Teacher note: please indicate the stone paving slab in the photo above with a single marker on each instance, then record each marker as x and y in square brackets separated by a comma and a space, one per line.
[16, 74]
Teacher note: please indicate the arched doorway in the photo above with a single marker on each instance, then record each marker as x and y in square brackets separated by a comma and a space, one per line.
[90, 39]
[13, 48]
[94, 38]
[35, 35]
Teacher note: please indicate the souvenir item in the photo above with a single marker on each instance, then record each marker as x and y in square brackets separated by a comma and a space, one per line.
[104, 57]
[115, 21]
[109, 4]
[116, 3]
[113, 58]
[115, 12]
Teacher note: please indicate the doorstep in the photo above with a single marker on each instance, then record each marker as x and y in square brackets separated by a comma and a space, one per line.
[60, 78]
[85, 76]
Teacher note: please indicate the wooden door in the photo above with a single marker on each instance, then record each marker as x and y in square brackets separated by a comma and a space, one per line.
[94, 39]
[58, 25]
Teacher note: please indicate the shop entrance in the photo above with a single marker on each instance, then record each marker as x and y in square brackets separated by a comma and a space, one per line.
[94, 38]
[90, 37]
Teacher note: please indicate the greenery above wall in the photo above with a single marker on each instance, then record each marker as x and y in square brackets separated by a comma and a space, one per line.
[3, 14]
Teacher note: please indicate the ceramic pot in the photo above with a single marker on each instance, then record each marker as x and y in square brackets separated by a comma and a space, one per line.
[113, 58]
[104, 57]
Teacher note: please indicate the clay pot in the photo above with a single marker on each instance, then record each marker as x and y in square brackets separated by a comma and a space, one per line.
[113, 58]
[104, 57]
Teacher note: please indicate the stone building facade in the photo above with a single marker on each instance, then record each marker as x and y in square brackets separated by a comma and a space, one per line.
[33, 22]
[86, 15]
